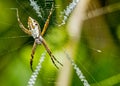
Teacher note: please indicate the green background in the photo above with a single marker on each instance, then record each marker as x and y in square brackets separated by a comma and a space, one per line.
[98, 33]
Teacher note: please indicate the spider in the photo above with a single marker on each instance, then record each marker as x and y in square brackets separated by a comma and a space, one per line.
[34, 30]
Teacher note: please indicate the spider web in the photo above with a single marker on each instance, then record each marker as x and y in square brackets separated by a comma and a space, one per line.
[16, 34]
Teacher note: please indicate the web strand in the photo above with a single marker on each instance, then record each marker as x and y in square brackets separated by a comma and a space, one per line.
[78, 71]
[34, 75]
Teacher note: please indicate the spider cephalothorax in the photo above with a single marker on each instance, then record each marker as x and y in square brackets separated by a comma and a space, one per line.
[35, 31]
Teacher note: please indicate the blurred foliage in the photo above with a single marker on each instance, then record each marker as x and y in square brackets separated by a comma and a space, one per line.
[15, 45]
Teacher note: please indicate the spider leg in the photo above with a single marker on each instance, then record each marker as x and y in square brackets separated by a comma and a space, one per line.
[56, 60]
[50, 54]
[32, 55]
[20, 23]
[47, 22]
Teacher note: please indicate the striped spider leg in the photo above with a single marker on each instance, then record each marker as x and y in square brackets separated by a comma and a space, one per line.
[35, 31]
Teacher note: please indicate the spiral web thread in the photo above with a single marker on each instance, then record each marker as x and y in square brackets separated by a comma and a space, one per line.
[66, 12]
[78, 71]
[36, 7]
[34, 75]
